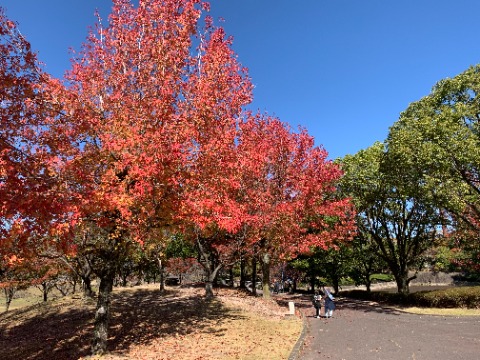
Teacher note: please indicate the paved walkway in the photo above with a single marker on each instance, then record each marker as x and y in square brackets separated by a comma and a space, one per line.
[364, 331]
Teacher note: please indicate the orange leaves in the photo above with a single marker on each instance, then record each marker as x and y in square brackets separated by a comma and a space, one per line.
[151, 133]
[290, 187]
[13, 259]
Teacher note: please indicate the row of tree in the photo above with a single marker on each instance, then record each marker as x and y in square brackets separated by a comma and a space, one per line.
[147, 136]
[420, 189]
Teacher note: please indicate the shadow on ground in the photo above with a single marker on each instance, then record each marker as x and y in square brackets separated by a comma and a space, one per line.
[304, 303]
[64, 330]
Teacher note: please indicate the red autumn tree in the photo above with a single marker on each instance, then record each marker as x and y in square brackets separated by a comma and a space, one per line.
[217, 91]
[144, 136]
[31, 204]
[147, 112]
[287, 187]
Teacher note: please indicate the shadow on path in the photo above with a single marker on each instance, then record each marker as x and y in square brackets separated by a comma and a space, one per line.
[368, 330]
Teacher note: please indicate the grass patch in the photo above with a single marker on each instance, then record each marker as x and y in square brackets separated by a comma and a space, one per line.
[381, 278]
[442, 312]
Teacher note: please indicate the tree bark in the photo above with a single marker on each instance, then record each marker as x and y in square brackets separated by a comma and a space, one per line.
[84, 271]
[210, 266]
[254, 275]
[243, 277]
[403, 281]
[102, 314]
[9, 292]
[209, 290]
[45, 291]
[336, 284]
[368, 284]
[162, 274]
[266, 275]
[231, 282]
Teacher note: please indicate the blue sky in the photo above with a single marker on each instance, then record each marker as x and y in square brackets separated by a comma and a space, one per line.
[343, 69]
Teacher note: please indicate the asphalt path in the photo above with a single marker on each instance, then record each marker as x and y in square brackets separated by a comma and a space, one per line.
[360, 330]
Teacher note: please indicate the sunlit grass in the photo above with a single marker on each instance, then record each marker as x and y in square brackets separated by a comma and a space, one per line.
[442, 312]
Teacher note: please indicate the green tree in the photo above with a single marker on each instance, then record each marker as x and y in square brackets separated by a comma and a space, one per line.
[394, 209]
[333, 264]
[365, 261]
[438, 136]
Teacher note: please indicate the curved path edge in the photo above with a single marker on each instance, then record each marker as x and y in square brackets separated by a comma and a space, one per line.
[295, 353]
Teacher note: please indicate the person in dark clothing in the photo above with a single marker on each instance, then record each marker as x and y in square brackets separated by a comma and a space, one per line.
[317, 303]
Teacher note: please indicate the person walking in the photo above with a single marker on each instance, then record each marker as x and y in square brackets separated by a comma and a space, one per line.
[329, 303]
[317, 303]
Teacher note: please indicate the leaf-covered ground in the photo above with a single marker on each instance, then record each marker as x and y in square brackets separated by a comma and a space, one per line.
[178, 324]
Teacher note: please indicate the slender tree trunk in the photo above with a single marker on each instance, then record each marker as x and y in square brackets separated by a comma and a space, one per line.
[162, 274]
[74, 284]
[83, 269]
[243, 276]
[211, 267]
[368, 284]
[102, 314]
[140, 277]
[9, 292]
[45, 291]
[368, 267]
[266, 275]
[87, 286]
[231, 284]
[312, 274]
[124, 279]
[211, 277]
[336, 284]
[254, 275]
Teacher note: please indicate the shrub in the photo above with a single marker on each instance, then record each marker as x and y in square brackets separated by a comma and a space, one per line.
[455, 297]
[345, 281]
[381, 277]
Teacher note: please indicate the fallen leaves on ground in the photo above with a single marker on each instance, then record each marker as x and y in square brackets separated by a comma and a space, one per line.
[146, 324]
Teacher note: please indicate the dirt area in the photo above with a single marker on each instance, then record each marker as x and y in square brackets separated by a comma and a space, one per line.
[179, 324]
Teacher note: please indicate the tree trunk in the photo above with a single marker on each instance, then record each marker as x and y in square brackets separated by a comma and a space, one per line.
[87, 286]
[140, 278]
[162, 274]
[45, 291]
[124, 279]
[210, 266]
[336, 284]
[266, 275]
[9, 292]
[211, 276]
[102, 314]
[403, 282]
[368, 284]
[243, 276]
[209, 290]
[231, 283]
[312, 273]
[254, 275]
[74, 284]
[312, 280]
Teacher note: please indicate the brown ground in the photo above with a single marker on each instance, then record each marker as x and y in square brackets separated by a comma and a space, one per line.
[178, 324]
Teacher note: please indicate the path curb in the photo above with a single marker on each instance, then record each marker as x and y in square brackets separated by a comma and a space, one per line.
[301, 340]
